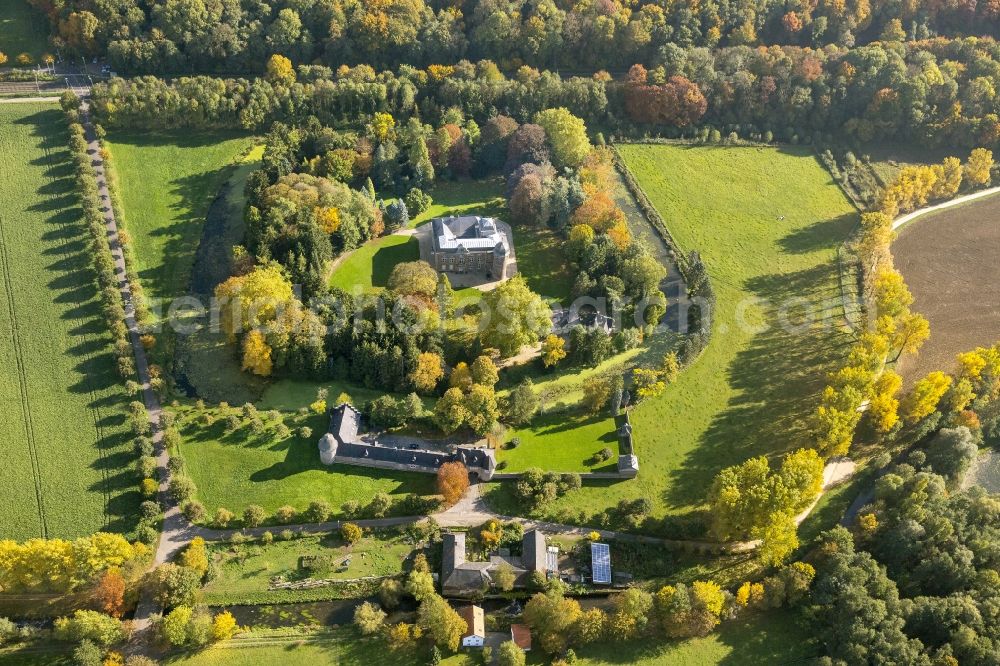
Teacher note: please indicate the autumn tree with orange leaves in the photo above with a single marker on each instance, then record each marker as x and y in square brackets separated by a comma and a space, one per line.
[452, 481]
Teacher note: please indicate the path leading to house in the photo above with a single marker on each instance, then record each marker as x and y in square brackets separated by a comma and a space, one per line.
[909, 217]
[175, 530]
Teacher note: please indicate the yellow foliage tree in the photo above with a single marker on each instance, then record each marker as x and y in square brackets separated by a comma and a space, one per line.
[925, 396]
[351, 533]
[57, 565]
[620, 235]
[429, 371]
[280, 70]
[883, 407]
[553, 349]
[868, 522]
[382, 126]
[978, 166]
[224, 626]
[195, 556]
[892, 297]
[257, 354]
[949, 178]
[328, 219]
[251, 300]
[961, 395]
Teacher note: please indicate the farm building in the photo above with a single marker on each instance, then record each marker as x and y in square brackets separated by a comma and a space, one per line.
[343, 444]
[461, 578]
[475, 619]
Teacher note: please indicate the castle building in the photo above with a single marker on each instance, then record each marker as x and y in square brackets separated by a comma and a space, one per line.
[469, 244]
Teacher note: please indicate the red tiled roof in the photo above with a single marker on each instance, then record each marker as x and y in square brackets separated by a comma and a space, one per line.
[521, 635]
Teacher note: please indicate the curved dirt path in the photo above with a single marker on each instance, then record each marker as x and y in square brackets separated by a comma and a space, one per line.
[909, 217]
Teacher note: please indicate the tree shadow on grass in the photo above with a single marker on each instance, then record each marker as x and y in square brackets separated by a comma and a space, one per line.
[300, 458]
[181, 235]
[817, 236]
[777, 377]
[71, 282]
[386, 258]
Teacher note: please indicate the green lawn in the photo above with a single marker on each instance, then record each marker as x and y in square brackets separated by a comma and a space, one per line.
[464, 197]
[237, 469]
[168, 180]
[767, 222]
[23, 29]
[542, 262]
[767, 639]
[67, 457]
[369, 266]
[243, 572]
[562, 442]
[291, 394]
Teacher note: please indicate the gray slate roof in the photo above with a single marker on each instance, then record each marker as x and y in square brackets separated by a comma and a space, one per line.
[345, 423]
[469, 233]
[533, 551]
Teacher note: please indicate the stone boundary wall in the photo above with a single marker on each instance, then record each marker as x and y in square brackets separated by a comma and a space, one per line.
[504, 476]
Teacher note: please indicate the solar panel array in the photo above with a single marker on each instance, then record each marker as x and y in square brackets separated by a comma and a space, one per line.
[600, 563]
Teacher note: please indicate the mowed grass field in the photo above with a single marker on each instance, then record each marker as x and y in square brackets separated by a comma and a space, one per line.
[67, 459]
[168, 180]
[948, 259]
[23, 29]
[234, 470]
[767, 223]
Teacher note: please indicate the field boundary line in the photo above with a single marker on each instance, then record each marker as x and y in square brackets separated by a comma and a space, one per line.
[29, 426]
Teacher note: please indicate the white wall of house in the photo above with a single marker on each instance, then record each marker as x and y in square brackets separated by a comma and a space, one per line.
[473, 641]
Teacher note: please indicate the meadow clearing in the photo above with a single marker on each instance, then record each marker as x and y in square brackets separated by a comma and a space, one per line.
[67, 454]
[167, 182]
[767, 223]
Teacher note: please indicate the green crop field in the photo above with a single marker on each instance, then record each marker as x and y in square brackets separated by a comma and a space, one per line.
[168, 181]
[767, 223]
[23, 29]
[67, 458]
[237, 469]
